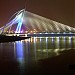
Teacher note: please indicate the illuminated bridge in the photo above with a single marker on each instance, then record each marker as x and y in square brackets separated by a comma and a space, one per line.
[24, 22]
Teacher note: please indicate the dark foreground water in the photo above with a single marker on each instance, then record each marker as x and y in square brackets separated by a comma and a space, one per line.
[18, 57]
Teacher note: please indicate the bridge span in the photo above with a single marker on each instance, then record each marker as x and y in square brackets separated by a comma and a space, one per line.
[43, 34]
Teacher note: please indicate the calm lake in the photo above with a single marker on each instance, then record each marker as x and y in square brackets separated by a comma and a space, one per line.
[31, 50]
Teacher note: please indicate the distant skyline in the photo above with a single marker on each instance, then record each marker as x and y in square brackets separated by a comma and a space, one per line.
[62, 11]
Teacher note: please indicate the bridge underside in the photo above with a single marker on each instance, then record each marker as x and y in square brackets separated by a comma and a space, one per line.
[52, 35]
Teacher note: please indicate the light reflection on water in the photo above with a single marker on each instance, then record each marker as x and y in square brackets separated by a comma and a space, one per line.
[39, 48]
[31, 50]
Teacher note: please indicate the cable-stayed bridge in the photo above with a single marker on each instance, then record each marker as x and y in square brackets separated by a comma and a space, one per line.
[29, 23]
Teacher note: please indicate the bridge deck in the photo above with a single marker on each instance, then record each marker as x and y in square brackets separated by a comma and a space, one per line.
[51, 35]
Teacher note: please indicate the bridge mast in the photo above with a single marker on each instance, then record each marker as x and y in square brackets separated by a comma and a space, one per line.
[20, 20]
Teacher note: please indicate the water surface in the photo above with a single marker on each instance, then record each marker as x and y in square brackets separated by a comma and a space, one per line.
[31, 50]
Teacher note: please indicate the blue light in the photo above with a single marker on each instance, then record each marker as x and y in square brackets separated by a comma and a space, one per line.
[19, 48]
[20, 20]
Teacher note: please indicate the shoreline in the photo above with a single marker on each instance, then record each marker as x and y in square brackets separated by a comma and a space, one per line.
[4, 38]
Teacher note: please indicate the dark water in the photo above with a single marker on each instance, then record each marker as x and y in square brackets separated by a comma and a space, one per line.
[15, 57]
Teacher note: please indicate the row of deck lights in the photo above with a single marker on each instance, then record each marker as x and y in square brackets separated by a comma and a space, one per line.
[43, 32]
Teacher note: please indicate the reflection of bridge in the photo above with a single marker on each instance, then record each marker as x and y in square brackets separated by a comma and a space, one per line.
[29, 23]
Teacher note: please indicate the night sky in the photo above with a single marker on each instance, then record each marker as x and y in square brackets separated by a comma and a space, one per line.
[58, 10]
